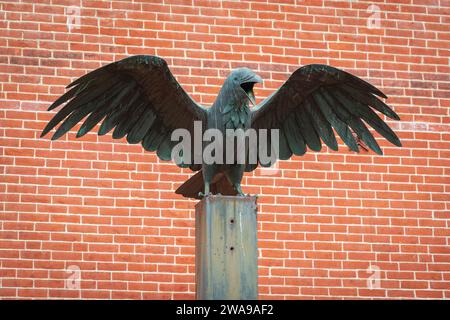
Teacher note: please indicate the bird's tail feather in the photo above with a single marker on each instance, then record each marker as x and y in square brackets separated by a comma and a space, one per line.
[192, 187]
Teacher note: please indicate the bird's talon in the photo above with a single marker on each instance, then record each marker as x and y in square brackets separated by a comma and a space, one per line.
[204, 195]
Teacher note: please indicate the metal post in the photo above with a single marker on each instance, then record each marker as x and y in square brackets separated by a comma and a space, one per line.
[226, 253]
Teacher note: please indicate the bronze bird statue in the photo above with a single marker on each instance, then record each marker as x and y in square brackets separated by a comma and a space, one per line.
[141, 100]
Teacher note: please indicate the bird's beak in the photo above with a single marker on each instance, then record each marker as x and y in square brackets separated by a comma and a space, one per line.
[247, 86]
[251, 97]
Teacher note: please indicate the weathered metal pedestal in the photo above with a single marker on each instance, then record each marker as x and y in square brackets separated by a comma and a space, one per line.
[226, 252]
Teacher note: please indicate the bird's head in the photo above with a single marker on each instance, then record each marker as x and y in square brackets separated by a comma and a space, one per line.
[244, 79]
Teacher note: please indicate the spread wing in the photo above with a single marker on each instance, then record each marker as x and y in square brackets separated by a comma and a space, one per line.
[138, 97]
[314, 100]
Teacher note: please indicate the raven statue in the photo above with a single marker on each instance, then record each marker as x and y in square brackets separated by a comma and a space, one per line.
[139, 98]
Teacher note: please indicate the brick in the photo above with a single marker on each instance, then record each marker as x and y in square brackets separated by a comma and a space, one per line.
[107, 206]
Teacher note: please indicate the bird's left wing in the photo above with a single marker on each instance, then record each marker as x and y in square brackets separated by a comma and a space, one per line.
[138, 97]
[314, 100]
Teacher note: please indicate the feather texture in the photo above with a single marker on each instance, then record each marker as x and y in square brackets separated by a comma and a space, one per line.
[321, 98]
[130, 96]
[139, 98]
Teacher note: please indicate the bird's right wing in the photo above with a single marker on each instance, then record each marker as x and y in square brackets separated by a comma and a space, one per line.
[138, 97]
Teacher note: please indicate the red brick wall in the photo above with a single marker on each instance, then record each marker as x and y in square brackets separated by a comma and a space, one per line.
[108, 209]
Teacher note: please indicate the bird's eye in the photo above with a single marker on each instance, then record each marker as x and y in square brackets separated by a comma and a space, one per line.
[235, 78]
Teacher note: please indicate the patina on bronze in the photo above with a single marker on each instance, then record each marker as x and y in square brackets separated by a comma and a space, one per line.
[140, 99]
